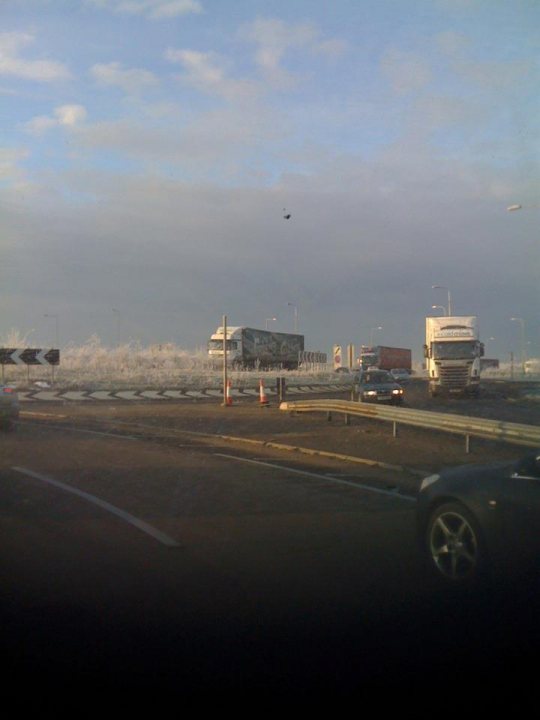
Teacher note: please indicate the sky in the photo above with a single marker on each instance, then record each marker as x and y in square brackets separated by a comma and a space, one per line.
[149, 150]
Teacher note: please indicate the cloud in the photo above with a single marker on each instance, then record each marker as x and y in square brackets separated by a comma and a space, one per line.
[406, 72]
[152, 9]
[131, 80]
[496, 76]
[9, 159]
[11, 63]
[205, 71]
[216, 144]
[65, 115]
[275, 38]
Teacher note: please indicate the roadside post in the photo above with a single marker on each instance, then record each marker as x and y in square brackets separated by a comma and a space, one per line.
[225, 385]
[281, 388]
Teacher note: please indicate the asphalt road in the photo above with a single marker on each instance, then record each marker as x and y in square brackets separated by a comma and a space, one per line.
[141, 551]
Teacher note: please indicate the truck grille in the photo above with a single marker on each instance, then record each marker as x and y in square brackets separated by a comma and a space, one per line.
[454, 376]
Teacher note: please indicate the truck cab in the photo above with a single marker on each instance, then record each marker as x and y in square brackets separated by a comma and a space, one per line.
[453, 351]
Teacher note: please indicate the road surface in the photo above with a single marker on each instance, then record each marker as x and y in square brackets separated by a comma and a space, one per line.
[140, 550]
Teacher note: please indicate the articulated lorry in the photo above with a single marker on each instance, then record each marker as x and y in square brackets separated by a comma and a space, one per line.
[250, 348]
[385, 358]
[453, 351]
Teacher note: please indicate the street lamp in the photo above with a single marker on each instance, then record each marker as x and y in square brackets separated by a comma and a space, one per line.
[267, 321]
[56, 333]
[439, 307]
[442, 287]
[295, 315]
[117, 325]
[371, 334]
[521, 321]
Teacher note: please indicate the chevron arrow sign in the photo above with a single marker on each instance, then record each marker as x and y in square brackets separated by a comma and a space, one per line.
[29, 356]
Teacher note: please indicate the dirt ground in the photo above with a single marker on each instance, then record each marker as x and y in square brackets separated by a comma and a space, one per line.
[371, 439]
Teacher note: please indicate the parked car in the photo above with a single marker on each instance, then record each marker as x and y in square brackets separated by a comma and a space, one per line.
[400, 375]
[379, 386]
[476, 521]
[9, 407]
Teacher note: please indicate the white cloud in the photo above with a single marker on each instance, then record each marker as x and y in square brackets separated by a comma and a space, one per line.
[153, 9]
[405, 71]
[131, 80]
[496, 76]
[206, 72]
[274, 38]
[11, 63]
[12, 176]
[64, 115]
[70, 114]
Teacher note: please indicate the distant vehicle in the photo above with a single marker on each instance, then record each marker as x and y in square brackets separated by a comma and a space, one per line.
[385, 358]
[249, 348]
[379, 386]
[475, 520]
[453, 351]
[9, 407]
[400, 375]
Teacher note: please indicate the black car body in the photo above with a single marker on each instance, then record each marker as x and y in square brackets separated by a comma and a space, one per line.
[378, 386]
[475, 520]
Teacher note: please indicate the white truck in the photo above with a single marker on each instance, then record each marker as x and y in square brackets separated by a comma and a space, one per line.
[253, 348]
[453, 351]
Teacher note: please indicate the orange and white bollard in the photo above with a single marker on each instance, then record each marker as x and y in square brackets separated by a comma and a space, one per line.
[228, 396]
[263, 400]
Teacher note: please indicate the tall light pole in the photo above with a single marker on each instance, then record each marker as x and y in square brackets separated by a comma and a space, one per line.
[379, 327]
[521, 321]
[267, 321]
[439, 307]
[56, 333]
[442, 287]
[295, 315]
[117, 325]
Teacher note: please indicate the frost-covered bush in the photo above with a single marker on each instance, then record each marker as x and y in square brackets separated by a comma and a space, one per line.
[94, 366]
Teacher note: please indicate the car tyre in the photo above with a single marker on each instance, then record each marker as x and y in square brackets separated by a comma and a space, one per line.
[454, 546]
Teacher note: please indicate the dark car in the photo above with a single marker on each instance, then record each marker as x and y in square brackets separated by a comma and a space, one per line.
[479, 521]
[9, 407]
[379, 386]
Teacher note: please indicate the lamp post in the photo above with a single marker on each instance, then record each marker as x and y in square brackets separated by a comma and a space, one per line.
[442, 287]
[439, 307]
[521, 322]
[267, 321]
[379, 327]
[295, 315]
[117, 325]
[56, 333]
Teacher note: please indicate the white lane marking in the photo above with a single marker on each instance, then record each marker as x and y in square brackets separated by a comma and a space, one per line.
[359, 486]
[132, 520]
[116, 436]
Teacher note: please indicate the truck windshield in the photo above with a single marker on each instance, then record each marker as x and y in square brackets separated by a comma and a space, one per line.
[455, 350]
[368, 359]
[218, 345]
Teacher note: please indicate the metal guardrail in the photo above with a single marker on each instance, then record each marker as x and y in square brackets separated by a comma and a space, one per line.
[515, 433]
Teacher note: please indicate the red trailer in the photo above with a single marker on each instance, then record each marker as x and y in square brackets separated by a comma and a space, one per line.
[385, 358]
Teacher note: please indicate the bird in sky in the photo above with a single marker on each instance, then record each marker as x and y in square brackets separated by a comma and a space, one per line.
[287, 214]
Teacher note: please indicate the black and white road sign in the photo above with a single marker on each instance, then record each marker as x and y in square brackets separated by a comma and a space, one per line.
[29, 356]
